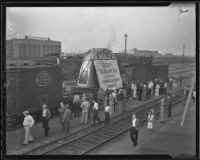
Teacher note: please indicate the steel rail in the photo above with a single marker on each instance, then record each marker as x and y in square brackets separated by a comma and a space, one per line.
[125, 117]
[142, 122]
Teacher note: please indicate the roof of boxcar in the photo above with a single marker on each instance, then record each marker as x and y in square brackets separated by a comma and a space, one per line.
[160, 64]
[69, 65]
[27, 64]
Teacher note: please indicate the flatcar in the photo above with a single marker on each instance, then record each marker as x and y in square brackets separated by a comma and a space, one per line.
[28, 86]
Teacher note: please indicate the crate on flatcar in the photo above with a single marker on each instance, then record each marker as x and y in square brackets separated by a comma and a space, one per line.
[31, 85]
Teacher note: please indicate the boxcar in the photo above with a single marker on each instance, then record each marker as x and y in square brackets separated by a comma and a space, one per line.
[160, 71]
[31, 85]
[144, 72]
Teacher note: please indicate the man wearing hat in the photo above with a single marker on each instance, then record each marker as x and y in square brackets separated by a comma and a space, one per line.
[134, 130]
[28, 123]
[120, 100]
[66, 118]
[46, 114]
[85, 107]
[61, 111]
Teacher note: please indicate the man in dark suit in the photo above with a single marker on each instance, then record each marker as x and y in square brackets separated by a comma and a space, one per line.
[95, 113]
[134, 130]
[170, 104]
[46, 114]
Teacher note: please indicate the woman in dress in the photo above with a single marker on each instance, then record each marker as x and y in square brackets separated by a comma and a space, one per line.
[134, 91]
[111, 102]
[162, 110]
[150, 120]
[157, 90]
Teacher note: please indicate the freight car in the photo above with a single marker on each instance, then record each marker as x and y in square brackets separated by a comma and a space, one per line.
[160, 71]
[143, 70]
[173, 59]
[28, 87]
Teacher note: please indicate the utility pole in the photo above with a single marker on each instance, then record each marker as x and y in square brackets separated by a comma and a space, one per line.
[188, 99]
[125, 35]
[183, 54]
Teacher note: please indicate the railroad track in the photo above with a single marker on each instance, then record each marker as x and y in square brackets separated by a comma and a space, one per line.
[88, 141]
[181, 70]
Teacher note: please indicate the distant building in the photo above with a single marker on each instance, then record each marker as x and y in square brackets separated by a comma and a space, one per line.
[143, 53]
[31, 47]
[168, 54]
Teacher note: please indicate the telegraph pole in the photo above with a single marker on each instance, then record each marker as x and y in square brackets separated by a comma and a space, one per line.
[183, 54]
[125, 35]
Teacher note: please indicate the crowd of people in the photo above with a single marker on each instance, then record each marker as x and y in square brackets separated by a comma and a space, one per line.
[86, 107]
[166, 104]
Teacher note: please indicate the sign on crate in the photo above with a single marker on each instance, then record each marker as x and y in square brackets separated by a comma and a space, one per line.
[108, 74]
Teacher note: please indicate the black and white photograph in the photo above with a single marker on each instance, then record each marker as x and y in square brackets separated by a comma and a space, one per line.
[101, 80]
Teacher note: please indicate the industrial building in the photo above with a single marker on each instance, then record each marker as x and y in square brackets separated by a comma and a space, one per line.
[143, 53]
[31, 47]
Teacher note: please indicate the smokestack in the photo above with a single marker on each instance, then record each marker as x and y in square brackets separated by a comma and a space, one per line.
[125, 35]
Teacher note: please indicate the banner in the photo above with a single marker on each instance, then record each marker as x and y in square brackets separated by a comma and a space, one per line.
[84, 73]
[108, 74]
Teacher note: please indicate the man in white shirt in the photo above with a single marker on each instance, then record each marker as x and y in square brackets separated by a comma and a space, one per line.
[149, 90]
[152, 90]
[194, 95]
[107, 114]
[85, 107]
[134, 130]
[28, 123]
[95, 113]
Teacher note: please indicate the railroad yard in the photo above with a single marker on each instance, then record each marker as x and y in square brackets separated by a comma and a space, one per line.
[100, 80]
[113, 138]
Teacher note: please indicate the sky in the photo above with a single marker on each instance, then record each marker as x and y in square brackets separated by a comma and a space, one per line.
[164, 29]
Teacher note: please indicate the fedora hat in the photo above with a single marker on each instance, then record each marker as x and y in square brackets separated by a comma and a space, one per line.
[26, 112]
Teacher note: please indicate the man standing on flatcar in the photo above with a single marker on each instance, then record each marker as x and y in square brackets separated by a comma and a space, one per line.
[46, 114]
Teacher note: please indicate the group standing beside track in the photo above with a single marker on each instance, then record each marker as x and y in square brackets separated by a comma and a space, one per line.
[86, 107]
